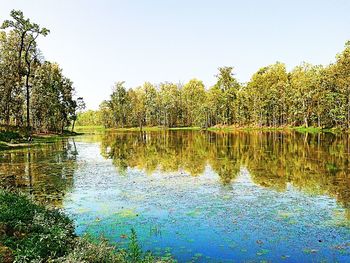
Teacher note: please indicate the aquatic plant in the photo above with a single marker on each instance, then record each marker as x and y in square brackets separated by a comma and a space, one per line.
[135, 252]
[33, 233]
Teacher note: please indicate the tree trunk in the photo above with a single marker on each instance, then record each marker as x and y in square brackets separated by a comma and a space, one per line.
[27, 82]
[73, 124]
[306, 122]
[28, 98]
[140, 124]
[348, 112]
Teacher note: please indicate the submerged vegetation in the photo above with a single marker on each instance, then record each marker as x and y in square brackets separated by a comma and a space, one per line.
[33, 233]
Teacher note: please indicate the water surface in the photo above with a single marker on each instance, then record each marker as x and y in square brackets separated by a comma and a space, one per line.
[199, 196]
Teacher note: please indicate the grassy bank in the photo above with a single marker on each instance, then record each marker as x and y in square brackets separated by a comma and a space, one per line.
[94, 129]
[33, 233]
[17, 139]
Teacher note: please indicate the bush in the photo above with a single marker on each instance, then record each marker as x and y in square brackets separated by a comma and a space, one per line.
[33, 232]
[8, 136]
[90, 251]
[85, 250]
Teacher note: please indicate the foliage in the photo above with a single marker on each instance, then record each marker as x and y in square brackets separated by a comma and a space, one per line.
[308, 95]
[34, 233]
[89, 118]
[135, 252]
[34, 92]
[86, 250]
[8, 136]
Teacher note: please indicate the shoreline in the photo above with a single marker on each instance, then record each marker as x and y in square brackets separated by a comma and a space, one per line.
[37, 139]
[23, 222]
[41, 138]
[301, 129]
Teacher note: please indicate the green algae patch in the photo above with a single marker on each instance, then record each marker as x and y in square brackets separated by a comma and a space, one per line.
[127, 213]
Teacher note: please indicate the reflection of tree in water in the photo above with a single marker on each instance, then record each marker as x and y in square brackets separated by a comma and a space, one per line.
[45, 171]
[315, 163]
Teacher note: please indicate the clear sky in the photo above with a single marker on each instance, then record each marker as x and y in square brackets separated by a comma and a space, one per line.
[99, 42]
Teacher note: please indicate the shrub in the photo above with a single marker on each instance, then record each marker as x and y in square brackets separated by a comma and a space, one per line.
[85, 250]
[8, 136]
[33, 232]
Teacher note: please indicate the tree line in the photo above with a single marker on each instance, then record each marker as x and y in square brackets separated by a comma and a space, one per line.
[308, 95]
[34, 92]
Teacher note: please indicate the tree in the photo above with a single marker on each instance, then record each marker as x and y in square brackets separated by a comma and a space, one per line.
[118, 103]
[52, 99]
[11, 99]
[308, 95]
[107, 115]
[341, 76]
[193, 103]
[79, 106]
[229, 87]
[151, 105]
[28, 33]
[137, 112]
[170, 98]
[305, 81]
[267, 94]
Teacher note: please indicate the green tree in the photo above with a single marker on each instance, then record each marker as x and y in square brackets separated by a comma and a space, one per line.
[11, 99]
[137, 98]
[28, 33]
[341, 75]
[118, 104]
[79, 106]
[229, 87]
[268, 96]
[193, 103]
[151, 105]
[305, 81]
[170, 98]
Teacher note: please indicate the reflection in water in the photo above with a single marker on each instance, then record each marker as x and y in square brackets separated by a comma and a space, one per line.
[314, 163]
[45, 171]
[201, 196]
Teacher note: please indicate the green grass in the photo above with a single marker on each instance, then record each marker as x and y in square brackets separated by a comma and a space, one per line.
[89, 129]
[157, 129]
[303, 129]
[30, 232]
[12, 140]
[247, 129]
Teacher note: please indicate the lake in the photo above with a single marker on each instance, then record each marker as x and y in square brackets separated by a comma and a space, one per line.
[199, 196]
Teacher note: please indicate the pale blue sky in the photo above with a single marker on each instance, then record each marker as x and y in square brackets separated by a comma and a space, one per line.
[100, 42]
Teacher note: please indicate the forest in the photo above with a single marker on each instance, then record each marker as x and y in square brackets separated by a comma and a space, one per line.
[308, 95]
[35, 95]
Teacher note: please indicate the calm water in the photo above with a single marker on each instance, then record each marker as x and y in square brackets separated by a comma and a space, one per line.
[199, 196]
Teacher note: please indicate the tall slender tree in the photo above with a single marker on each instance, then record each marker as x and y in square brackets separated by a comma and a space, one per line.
[27, 32]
